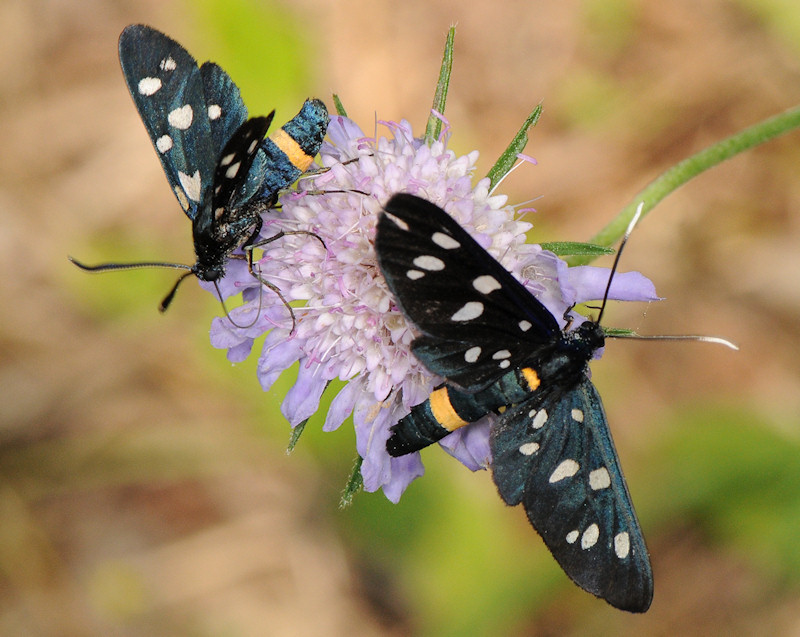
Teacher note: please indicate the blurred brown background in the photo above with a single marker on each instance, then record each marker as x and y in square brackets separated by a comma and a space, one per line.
[143, 484]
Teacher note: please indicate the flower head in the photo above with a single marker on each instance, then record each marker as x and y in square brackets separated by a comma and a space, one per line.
[348, 326]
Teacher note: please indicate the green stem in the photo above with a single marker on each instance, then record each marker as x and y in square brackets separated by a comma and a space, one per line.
[679, 174]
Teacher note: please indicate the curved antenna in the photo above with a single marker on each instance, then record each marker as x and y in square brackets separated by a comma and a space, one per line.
[171, 294]
[105, 267]
[677, 337]
[657, 337]
[622, 243]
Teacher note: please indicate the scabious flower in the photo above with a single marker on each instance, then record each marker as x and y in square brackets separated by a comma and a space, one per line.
[348, 325]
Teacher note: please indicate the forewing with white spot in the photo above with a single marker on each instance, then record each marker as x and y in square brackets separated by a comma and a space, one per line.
[468, 306]
[566, 473]
[169, 92]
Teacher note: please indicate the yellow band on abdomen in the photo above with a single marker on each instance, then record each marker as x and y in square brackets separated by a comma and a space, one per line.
[288, 145]
[443, 411]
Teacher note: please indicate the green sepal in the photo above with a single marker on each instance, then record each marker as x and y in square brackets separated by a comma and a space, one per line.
[506, 161]
[337, 104]
[296, 433]
[576, 248]
[354, 484]
[434, 127]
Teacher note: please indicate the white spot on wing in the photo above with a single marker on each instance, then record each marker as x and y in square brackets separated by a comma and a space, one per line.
[504, 364]
[539, 419]
[524, 325]
[181, 118]
[599, 479]
[529, 448]
[214, 112]
[191, 185]
[470, 311]
[227, 159]
[500, 354]
[149, 86]
[622, 545]
[590, 536]
[445, 241]
[397, 221]
[577, 415]
[472, 354]
[415, 274]
[486, 284]
[182, 200]
[572, 536]
[164, 143]
[428, 262]
[168, 64]
[232, 170]
[566, 469]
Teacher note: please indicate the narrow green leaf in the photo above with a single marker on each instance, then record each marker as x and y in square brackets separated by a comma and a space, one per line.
[337, 104]
[354, 484]
[517, 145]
[296, 433]
[570, 248]
[434, 127]
[618, 331]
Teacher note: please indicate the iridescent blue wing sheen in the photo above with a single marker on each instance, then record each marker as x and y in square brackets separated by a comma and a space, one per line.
[554, 453]
[224, 106]
[168, 90]
[477, 320]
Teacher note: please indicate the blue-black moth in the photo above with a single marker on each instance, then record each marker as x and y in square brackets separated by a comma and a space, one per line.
[500, 350]
[220, 167]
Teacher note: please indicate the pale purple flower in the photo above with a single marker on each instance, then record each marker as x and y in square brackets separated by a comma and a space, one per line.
[348, 326]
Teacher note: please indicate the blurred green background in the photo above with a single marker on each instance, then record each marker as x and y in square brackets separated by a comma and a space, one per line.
[144, 488]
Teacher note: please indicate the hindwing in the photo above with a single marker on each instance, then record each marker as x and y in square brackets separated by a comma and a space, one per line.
[554, 454]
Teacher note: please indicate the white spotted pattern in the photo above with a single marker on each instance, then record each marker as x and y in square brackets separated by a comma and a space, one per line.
[182, 200]
[622, 545]
[472, 354]
[486, 284]
[599, 479]
[529, 448]
[500, 354]
[504, 364]
[469, 312]
[428, 262]
[577, 415]
[164, 143]
[566, 469]
[590, 536]
[181, 118]
[445, 241]
[168, 64]
[149, 86]
[227, 159]
[525, 325]
[232, 170]
[214, 112]
[539, 419]
[415, 274]
[397, 221]
[572, 536]
[191, 185]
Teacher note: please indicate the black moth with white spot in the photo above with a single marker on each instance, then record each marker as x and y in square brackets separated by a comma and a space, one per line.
[220, 167]
[500, 350]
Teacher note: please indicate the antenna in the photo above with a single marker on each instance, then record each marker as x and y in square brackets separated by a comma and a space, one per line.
[658, 337]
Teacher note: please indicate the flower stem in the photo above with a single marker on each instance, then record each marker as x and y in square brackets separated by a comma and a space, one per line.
[682, 172]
